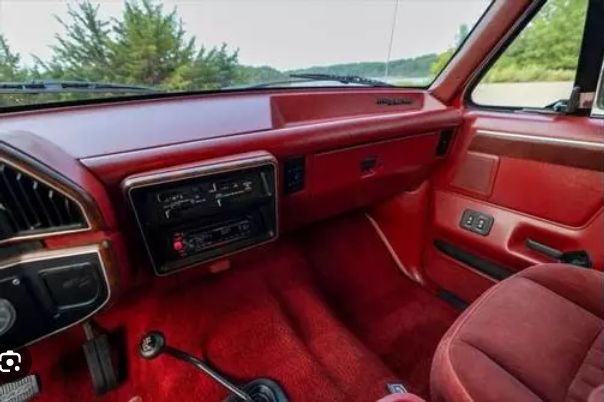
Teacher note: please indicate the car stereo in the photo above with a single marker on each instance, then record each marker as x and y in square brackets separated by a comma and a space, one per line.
[197, 213]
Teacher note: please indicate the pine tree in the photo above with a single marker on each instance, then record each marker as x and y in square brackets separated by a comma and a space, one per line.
[82, 53]
[145, 46]
[150, 46]
[9, 63]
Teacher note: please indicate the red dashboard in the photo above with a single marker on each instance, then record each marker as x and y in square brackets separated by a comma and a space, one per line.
[358, 147]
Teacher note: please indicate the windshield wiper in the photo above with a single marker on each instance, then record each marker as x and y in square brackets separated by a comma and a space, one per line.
[344, 79]
[46, 86]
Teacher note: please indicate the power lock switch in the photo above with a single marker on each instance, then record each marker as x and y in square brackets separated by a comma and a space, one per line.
[481, 223]
[476, 222]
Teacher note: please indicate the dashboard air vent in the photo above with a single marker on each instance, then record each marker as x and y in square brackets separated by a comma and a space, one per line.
[28, 206]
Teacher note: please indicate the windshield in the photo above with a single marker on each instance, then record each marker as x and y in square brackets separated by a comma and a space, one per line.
[185, 45]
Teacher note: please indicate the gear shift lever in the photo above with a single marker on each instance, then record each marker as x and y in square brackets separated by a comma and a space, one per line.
[154, 344]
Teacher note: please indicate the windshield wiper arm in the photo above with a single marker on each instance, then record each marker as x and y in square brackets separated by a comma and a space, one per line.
[344, 79]
[46, 86]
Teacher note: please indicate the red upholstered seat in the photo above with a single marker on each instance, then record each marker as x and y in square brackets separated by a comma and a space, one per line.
[536, 336]
[402, 398]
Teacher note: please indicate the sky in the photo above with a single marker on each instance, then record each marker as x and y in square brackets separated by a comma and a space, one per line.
[285, 34]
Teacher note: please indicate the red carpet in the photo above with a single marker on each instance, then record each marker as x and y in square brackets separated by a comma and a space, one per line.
[395, 318]
[328, 316]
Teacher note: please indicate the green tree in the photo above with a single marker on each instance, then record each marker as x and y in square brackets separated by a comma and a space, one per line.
[144, 46]
[151, 47]
[553, 38]
[443, 58]
[417, 67]
[260, 74]
[441, 62]
[10, 69]
[548, 48]
[83, 52]
[214, 69]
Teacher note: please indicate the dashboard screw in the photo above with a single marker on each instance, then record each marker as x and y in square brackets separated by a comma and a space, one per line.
[16, 282]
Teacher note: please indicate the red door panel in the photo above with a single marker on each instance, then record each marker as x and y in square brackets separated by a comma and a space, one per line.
[476, 174]
[505, 244]
[539, 177]
[459, 279]
[561, 194]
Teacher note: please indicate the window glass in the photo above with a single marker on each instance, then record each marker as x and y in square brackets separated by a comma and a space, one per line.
[539, 67]
[197, 45]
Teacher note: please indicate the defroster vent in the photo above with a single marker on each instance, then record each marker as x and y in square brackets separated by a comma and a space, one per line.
[29, 206]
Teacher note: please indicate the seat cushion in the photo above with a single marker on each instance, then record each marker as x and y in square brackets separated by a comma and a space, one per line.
[535, 336]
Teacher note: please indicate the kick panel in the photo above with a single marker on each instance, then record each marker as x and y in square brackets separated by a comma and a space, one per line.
[195, 214]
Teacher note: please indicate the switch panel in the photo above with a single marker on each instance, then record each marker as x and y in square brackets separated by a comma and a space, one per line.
[42, 295]
[72, 286]
[476, 222]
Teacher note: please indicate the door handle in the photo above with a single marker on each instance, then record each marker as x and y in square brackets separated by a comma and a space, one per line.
[579, 258]
[543, 249]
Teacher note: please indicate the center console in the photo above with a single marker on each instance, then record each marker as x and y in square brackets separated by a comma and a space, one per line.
[197, 213]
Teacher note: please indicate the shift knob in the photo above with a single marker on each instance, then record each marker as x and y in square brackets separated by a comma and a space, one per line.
[152, 345]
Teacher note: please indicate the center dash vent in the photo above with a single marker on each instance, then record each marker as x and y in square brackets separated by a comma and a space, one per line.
[29, 206]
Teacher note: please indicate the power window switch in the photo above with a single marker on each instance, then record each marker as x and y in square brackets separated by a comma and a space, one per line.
[468, 219]
[483, 224]
[480, 223]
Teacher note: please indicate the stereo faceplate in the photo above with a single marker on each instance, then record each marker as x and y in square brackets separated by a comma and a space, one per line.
[197, 213]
